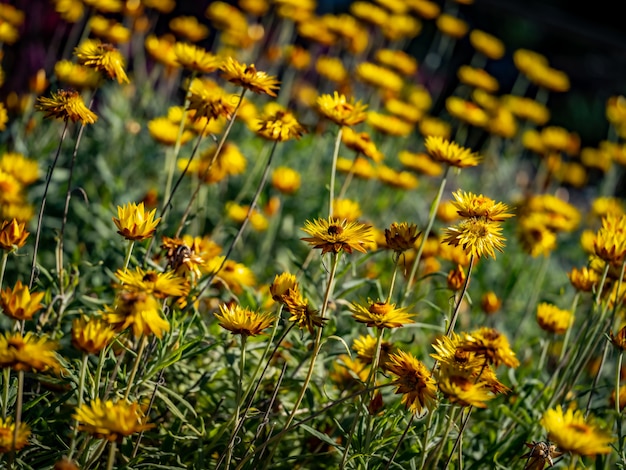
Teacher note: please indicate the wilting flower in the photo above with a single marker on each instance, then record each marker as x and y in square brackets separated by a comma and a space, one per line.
[243, 321]
[102, 57]
[111, 420]
[13, 235]
[248, 77]
[28, 353]
[445, 151]
[571, 432]
[139, 311]
[134, 223]
[541, 453]
[401, 237]
[333, 236]
[19, 303]
[91, 335]
[340, 110]
[619, 340]
[302, 314]
[413, 381]
[553, 319]
[66, 105]
[7, 433]
[381, 314]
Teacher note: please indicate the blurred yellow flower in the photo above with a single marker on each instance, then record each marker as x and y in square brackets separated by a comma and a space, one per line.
[19, 303]
[7, 434]
[553, 319]
[66, 105]
[134, 223]
[137, 310]
[248, 77]
[111, 420]
[91, 335]
[29, 353]
[103, 58]
[243, 321]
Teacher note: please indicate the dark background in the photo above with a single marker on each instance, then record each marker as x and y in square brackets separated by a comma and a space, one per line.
[587, 41]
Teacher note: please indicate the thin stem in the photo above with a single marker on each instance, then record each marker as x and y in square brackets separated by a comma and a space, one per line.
[458, 438]
[242, 363]
[6, 377]
[544, 353]
[618, 405]
[79, 402]
[393, 279]
[142, 347]
[43, 205]
[444, 435]
[18, 409]
[431, 220]
[220, 145]
[333, 172]
[3, 266]
[129, 251]
[111, 457]
[457, 307]
[349, 176]
[397, 448]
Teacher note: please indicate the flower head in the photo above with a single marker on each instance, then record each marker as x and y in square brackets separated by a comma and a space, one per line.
[134, 223]
[28, 353]
[161, 284]
[401, 237]
[553, 319]
[19, 303]
[365, 347]
[470, 205]
[91, 335]
[196, 58]
[111, 420]
[248, 77]
[13, 235]
[413, 381]
[280, 126]
[340, 110]
[477, 236]
[208, 100]
[445, 151]
[334, 236]
[139, 311]
[243, 321]
[463, 388]
[66, 105]
[7, 433]
[302, 314]
[572, 432]
[491, 345]
[102, 57]
[282, 284]
[381, 314]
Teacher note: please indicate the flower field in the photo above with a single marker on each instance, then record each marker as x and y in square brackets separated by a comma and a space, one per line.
[263, 237]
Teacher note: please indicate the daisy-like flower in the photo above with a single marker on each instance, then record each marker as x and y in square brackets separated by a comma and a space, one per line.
[445, 151]
[365, 347]
[104, 58]
[76, 75]
[91, 335]
[553, 319]
[348, 373]
[111, 420]
[492, 345]
[413, 381]
[341, 110]
[243, 321]
[302, 314]
[196, 58]
[28, 353]
[7, 433]
[165, 131]
[25, 170]
[462, 388]
[248, 77]
[488, 45]
[161, 284]
[281, 286]
[209, 100]
[571, 432]
[13, 235]
[280, 126]
[401, 237]
[137, 310]
[333, 236]
[286, 180]
[361, 142]
[584, 279]
[66, 105]
[449, 354]
[477, 236]
[19, 303]
[471, 205]
[134, 223]
[381, 314]
[610, 241]
[189, 27]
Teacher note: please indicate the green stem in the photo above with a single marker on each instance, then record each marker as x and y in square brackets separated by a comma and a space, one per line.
[96, 382]
[393, 279]
[238, 398]
[333, 172]
[129, 251]
[79, 402]
[111, 457]
[618, 405]
[431, 220]
[544, 353]
[530, 306]
[397, 448]
[131, 379]
[568, 333]
[457, 307]
[6, 376]
[458, 438]
[3, 266]
[18, 410]
[439, 450]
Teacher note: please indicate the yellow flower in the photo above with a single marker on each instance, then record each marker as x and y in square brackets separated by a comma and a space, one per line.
[208, 100]
[619, 340]
[477, 78]
[448, 352]
[470, 205]
[492, 345]
[282, 284]
[584, 279]
[335, 236]
[280, 126]
[401, 237]
[111, 420]
[13, 235]
[109, 30]
[102, 57]
[189, 28]
[139, 311]
[436, 127]
[296, 56]
[490, 303]
[28, 353]
[248, 77]
[467, 111]
[451, 26]
[161, 49]
[420, 162]
[571, 432]
[527, 109]
[553, 319]
[365, 347]
[134, 223]
[331, 68]
[302, 314]
[427, 9]
[358, 167]
[165, 131]
[381, 314]
[105, 6]
[398, 60]
[340, 110]
[234, 275]
[243, 321]
[478, 237]
[379, 77]
[445, 151]
[488, 45]
[346, 209]
[19, 303]
[610, 241]
[238, 213]
[23, 169]
[7, 433]
[4, 117]
[66, 105]
[369, 12]
[406, 111]
[76, 75]
[413, 381]
[397, 179]
[462, 388]
[91, 335]
[161, 284]
[196, 58]
[389, 124]
[360, 142]
[286, 180]
[348, 373]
